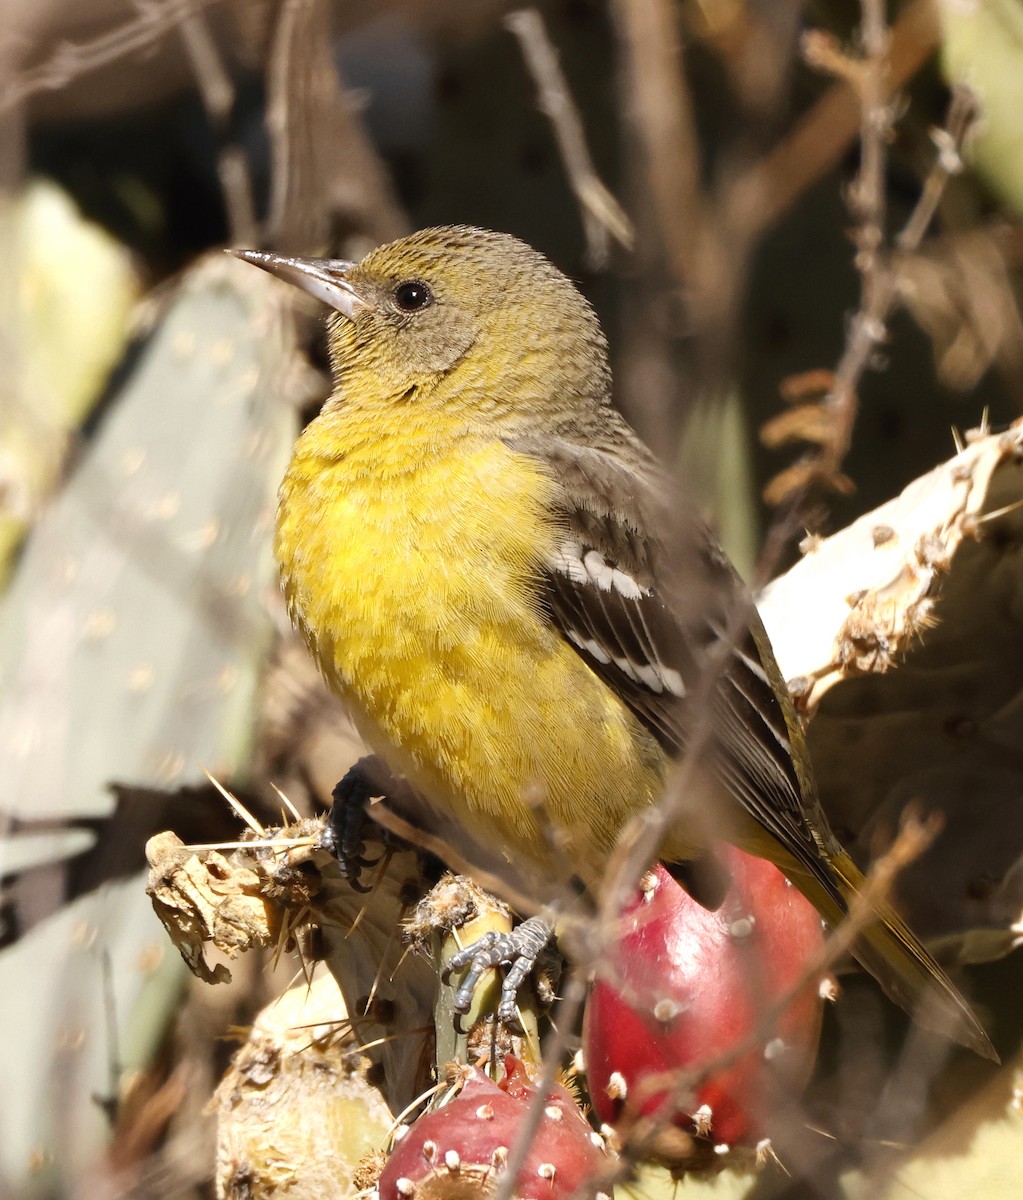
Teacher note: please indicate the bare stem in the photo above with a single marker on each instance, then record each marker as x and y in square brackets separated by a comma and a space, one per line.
[816, 144]
[572, 999]
[867, 201]
[663, 116]
[963, 113]
[218, 95]
[603, 216]
[71, 60]
[875, 260]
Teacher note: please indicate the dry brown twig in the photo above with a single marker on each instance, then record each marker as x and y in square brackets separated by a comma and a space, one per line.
[829, 424]
[71, 60]
[452, 857]
[570, 1005]
[218, 96]
[867, 196]
[603, 217]
[664, 122]
[770, 187]
[314, 195]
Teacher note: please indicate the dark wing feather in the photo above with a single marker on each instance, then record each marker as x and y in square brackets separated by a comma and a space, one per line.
[644, 601]
[653, 606]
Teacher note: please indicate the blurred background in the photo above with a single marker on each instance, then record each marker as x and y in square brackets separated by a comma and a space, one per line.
[766, 203]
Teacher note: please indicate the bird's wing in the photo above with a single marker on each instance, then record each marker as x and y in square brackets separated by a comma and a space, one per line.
[655, 609]
[644, 602]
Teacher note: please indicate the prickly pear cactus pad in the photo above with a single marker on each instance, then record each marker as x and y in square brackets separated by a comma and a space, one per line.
[902, 637]
[131, 641]
[69, 327]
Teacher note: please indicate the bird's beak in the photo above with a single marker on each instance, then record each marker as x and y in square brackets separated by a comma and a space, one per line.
[324, 278]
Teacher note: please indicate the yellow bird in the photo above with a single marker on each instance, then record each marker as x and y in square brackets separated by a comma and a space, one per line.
[494, 575]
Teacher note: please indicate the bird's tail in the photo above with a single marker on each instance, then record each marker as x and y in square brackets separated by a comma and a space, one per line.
[894, 955]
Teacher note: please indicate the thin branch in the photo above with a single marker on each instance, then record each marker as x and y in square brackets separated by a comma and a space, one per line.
[317, 195]
[867, 202]
[218, 95]
[555, 1047]
[867, 198]
[815, 146]
[71, 60]
[387, 818]
[663, 116]
[867, 330]
[603, 216]
[963, 115]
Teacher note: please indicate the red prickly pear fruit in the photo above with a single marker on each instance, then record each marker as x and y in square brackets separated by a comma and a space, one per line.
[459, 1151]
[686, 987]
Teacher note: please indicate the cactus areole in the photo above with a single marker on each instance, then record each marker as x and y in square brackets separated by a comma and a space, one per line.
[679, 1025]
[460, 1151]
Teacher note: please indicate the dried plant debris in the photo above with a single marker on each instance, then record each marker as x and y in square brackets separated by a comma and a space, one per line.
[208, 901]
[902, 637]
[278, 887]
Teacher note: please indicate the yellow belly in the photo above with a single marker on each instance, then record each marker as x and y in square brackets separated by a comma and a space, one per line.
[412, 573]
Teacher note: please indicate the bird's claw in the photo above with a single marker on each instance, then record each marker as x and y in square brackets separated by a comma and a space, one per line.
[518, 950]
[344, 833]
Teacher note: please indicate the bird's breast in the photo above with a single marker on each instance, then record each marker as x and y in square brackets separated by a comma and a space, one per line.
[413, 564]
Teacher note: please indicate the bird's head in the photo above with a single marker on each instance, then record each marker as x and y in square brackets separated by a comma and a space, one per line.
[457, 316]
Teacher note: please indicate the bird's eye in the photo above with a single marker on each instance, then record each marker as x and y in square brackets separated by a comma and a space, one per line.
[412, 296]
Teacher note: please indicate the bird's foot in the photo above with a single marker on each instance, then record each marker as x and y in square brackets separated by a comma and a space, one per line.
[518, 951]
[344, 835]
